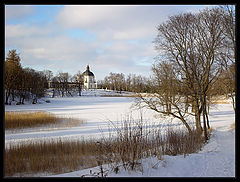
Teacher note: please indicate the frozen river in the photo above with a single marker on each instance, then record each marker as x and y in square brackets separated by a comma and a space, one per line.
[96, 112]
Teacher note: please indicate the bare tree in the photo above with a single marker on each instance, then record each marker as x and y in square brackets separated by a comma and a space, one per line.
[63, 86]
[49, 75]
[193, 42]
[79, 80]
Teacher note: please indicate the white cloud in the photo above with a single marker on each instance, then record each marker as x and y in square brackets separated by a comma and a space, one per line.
[50, 47]
[117, 22]
[15, 11]
[90, 16]
[23, 30]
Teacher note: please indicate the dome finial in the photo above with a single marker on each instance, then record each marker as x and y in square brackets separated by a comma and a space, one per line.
[87, 67]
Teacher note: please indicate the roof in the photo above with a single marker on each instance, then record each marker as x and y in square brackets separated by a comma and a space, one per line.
[88, 72]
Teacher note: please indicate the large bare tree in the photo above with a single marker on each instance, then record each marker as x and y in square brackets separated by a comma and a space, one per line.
[194, 43]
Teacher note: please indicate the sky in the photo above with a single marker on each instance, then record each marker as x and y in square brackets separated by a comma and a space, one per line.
[108, 38]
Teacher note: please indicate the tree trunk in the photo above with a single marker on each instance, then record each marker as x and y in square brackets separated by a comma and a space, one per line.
[186, 104]
[7, 97]
[23, 98]
[53, 93]
[208, 108]
[198, 121]
[204, 121]
[79, 89]
[13, 95]
[187, 126]
[193, 106]
[196, 109]
[170, 107]
[203, 105]
[167, 107]
[233, 102]
[208, 125]
[206, 113]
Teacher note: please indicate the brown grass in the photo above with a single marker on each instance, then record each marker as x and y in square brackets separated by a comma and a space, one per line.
[232, 126]
[220, 102]
[51, 157]
[134, 140]
[17, 120]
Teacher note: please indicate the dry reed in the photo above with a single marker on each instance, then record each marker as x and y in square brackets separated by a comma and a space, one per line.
[17, 120]
[134, 140]
[51, 157]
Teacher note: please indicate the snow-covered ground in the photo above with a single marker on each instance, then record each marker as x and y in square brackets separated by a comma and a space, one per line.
[216, 159]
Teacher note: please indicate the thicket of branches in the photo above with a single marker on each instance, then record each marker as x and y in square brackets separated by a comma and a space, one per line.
[196, 57]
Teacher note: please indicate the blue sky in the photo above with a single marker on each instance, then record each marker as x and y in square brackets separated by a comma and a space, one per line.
[66, 38]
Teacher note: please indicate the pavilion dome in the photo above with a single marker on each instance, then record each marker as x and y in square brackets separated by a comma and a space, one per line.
[88, 72]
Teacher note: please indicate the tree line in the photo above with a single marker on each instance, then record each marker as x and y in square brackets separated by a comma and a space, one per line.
[22, 83]
[120, 82]
[26, 83]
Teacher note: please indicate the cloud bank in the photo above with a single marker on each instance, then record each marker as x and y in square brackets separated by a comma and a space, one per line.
[67, 38]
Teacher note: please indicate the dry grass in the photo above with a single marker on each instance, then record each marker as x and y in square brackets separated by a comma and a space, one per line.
[220, 100]
[18, 120]
[232, 126]
[51, 157]
[179, 142]
[133, 141]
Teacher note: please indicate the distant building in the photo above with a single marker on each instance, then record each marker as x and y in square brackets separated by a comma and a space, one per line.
[86, 80]
[89, 79]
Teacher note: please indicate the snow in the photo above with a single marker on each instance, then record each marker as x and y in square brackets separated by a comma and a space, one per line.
[94, 111]
[217, 158]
